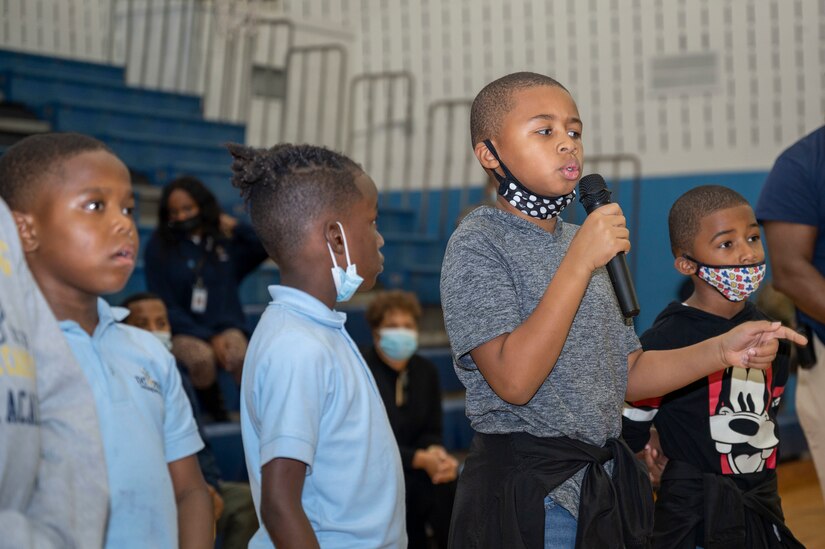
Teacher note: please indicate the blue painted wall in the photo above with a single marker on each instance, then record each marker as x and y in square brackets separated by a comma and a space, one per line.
[656, 280]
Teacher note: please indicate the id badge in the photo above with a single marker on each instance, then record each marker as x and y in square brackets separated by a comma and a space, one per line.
[199, 295]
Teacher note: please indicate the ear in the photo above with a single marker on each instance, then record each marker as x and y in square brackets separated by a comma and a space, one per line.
[333, 236]
[485, 156]
[27, 231]
[684, 266]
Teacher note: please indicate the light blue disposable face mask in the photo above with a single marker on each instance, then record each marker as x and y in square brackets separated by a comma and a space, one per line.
[164, 337]
[398, 343]
[346, 282]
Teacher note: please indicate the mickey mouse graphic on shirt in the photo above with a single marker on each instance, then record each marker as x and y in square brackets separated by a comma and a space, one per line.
[740, 423]
[740, 398]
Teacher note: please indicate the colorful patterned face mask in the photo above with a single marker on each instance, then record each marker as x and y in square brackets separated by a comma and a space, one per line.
[735, 282]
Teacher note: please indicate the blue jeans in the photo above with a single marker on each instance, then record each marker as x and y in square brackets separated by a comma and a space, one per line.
[559, 526]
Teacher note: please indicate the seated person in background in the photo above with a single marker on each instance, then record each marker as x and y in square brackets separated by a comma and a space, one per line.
[195, 261]
[72, 200]
[409, 387]
[718, 488]
[52, 492]
[232, 501]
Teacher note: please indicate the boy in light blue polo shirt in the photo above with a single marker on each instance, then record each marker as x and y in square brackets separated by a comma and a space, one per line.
[145, 419]
[323, 463]
[72, 200]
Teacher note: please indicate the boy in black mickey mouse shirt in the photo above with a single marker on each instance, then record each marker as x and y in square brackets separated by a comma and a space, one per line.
[719, 433]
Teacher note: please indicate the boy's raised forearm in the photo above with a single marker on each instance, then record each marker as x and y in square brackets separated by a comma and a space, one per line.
[655, 373]
[751, 344]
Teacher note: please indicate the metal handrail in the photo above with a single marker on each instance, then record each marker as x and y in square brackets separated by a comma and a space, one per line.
[371, 81]
[450, 106]
[196, 47]
[325, 50]
[270, 56]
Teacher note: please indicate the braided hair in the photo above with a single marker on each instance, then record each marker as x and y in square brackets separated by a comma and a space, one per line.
[288, 186]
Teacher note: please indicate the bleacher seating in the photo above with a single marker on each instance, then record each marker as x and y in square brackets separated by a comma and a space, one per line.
[216, 176]
[357, 326]
[18, 60]
[42, 85]
[161, 135]
[457, 430]
[226, 445]
[155, 133]
[230, 391]
[72, 113]
[442, 357]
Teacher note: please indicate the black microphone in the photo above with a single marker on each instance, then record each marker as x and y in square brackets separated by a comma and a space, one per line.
[594, 194]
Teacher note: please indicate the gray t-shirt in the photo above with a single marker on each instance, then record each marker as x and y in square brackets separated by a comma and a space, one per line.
[53, 486]
[496, 269]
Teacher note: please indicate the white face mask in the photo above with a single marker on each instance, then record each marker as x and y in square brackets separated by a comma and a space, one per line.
[164, 337]
[346, 282]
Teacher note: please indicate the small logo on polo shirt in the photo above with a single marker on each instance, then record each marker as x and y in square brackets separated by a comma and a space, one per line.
[145, 381]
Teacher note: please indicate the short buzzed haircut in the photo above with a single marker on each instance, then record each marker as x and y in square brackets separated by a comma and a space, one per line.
[687, 212]
[495, 101]
[27, 163]
[289, 186]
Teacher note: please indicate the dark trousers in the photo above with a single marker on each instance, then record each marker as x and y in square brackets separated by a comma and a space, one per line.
[428, 503]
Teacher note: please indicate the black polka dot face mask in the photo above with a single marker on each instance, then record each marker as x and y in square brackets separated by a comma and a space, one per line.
[525, 200]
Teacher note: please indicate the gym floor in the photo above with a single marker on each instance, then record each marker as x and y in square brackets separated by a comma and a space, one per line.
[802, 502]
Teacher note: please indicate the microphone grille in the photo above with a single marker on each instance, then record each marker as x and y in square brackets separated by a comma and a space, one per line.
[591, 184]
[593, 191]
